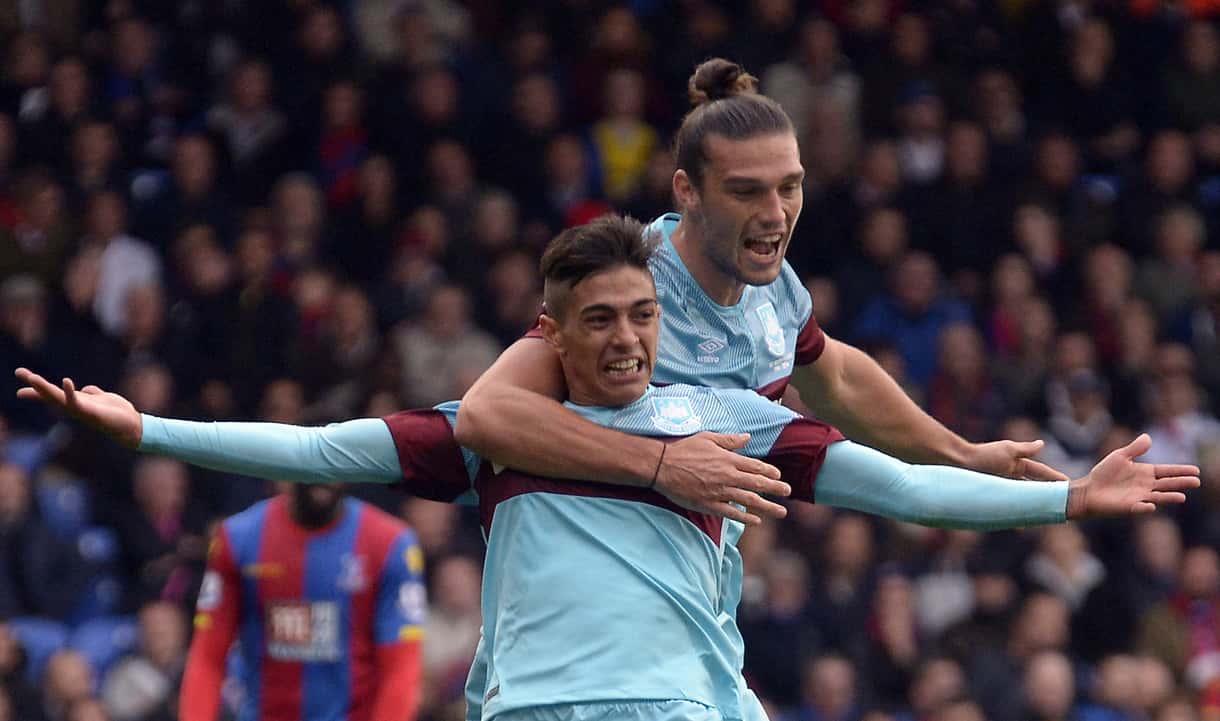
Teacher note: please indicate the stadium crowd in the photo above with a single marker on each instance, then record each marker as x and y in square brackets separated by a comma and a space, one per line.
[302, 212]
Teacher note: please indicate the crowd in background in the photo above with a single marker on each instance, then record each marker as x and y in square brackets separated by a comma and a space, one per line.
[299, 211]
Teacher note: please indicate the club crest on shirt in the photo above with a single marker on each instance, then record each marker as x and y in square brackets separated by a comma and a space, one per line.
[675, 415]
[772, 332]
[352, 577]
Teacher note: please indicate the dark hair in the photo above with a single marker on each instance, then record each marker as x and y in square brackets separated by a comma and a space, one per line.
[726, 102]
[607, 242]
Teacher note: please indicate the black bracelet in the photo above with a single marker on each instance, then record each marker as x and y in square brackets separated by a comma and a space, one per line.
[657, 472]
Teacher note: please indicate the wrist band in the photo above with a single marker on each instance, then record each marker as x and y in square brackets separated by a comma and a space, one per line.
[657, 472]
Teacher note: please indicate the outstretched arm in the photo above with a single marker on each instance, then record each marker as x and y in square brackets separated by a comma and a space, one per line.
[512, 415]
[864, 479]
[355, 451]
[846, 388]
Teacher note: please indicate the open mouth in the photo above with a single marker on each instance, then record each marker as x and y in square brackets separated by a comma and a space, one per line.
[625, 367]
[764, 247]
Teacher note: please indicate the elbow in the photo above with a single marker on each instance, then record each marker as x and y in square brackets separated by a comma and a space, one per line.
[467, 431]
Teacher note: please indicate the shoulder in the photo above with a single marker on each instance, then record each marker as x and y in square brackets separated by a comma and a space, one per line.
[790, 291]
[380, 524]
[250, 520]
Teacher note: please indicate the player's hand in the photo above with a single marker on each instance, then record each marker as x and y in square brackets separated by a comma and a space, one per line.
[1013, 459]
[702, 473]
[110, 413]
[1120, 486]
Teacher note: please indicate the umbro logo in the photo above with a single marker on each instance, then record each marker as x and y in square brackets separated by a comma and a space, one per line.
[711, 345]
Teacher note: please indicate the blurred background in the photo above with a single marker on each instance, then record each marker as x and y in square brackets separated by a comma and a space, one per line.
[300, 211]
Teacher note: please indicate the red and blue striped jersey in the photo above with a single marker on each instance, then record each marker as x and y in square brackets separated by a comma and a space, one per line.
[310, 608]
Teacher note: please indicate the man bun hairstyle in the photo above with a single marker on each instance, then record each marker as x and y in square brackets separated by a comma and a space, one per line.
[717, 79]
[608, 242]
[726, 102]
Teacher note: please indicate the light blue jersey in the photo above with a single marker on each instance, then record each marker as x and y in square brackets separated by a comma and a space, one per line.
[753, 344]
[567, 561]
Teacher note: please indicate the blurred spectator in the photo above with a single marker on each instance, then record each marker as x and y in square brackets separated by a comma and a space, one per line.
[882, 239]
[40, 241]
[1049, 688]
[298, 220]
[818, 74]
[88, 709]
[453, 628]
[41, 573]
[27, 66]
[141, 687]
[912, 314]
[623, 140]
[125, 262]
[162, 535]
[252, 129]
[1000, 107]
[191, 194]
[95, 164]
[1167, 181]
[20, 695]
[1180, 427]
[845, 582]
[336, 364]
[1108, 620]
[369, 226]
[514, 297]
[829, 692]
[894, 647]
[1064, 566]
[1040, 627]
[959, 213]
[937, 682]
[1089, 101]
[67, 680]
[69, 101]
[414, 269]
[1182, 630]
[961, 394]
[944, 591]
[435, 351]
[782, 632]
[921, 142]
[1199, 326]
[343, 143]
[1169, 280]
[1192, 88]
[570, 192]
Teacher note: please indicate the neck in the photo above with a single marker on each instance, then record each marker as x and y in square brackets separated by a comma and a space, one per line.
[721, 288]
[313, 520]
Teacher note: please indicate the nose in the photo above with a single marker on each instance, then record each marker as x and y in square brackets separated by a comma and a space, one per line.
[772, 211]
[624, 334]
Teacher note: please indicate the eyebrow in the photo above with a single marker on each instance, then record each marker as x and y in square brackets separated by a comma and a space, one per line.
[607, 308]
[749, 182]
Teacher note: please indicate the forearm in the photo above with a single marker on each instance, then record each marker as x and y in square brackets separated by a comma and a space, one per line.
[864, 479]
[355, 451]
[399, 676]
[527, 431]
[868, 406]
[199, 697]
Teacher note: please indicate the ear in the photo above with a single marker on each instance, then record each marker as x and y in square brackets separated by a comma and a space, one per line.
[684, 189]
[551, 333]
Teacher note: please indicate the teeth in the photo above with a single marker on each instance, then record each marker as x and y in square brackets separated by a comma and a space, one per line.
[624, 366]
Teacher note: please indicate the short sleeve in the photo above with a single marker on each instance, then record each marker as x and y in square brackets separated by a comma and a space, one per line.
[402, 601]
[432, 463]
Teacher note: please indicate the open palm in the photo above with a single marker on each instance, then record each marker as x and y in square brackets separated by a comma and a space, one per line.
[110, 413]
[1119, 485]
